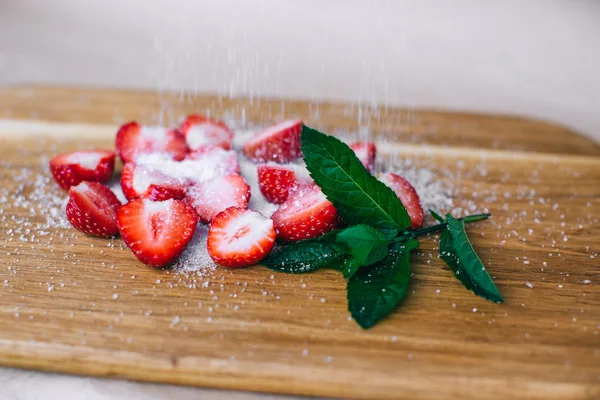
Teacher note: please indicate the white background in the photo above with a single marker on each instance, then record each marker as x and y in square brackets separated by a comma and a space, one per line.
[531, 57]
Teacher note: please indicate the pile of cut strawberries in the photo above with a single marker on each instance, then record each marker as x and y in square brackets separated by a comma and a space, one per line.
[174, 179]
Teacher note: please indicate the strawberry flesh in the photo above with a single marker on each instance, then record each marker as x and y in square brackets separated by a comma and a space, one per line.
[279, 143]
[134, 139]
[71, 169]
[157, 232]
[139, 181]
[366, 152]
[239, 237]
[305, 214]
[202, 133]
[276, 182]
[213, 196]
[407, 195]
[92, 209]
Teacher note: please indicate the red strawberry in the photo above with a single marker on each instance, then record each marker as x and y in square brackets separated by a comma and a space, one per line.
[157, 231]
[279, 143]
[71, 169]
[215, 195]
[139, 181]
[92, 209]
[365, 151]
[134, 139]
[407, 195]
[202, 132]
[276, 182]
[225, 160]
[305, 214]
[238, 237]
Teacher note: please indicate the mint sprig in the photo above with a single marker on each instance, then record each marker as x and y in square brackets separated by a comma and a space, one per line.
[358, 196]
[373, 252]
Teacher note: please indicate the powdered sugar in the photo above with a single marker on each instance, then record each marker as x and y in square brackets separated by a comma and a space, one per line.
[86, 159]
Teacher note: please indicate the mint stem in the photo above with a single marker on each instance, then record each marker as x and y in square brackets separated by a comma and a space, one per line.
[438, 227]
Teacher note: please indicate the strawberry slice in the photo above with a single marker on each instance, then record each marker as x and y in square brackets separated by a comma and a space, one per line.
[71, 169]
[365, 151]
[279, 143]
[134, 139]
[92, 209]
[215, 195]
[407, 195]
[202, 132]
[223, 160]
[276, 182]
[305, 214]
[140, 181]
[239, 237]
[157, 231]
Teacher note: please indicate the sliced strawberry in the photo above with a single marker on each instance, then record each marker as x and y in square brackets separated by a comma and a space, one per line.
[92, 209]
[279, 143]
[365, 151]
[202, 132]
[134, 139]
[224, 160]
[215, 195]
[305, 214]
[407, 195]
[238, 237]
[276, 182]
[157, 231]
[140, 181]
[71, 169]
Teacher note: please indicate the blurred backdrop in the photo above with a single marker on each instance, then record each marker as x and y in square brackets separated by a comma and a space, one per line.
[538, 58]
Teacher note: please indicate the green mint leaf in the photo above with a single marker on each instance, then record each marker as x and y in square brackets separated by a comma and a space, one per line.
[375, 291]
[437, 216]
[350, 267]
[366, 244]
[456, 250]
[301, 257]
[358, 196]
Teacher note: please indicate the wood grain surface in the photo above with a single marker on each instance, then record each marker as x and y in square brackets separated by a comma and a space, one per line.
[70, 303]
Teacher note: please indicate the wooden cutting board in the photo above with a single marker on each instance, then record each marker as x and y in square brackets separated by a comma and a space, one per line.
[75, 305]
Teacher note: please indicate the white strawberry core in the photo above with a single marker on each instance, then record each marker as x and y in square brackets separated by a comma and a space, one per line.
[88, 160]
[276, 129]
[245, 232]
[203, 134]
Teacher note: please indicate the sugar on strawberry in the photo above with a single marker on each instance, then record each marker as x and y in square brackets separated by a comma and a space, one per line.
[238, 237]
[305, 214]
[70, 169]
[134, 139]
[205, 133]
[407, 195]
[225, 160]
[141, 181]
[365, 152]
[279, 143]
[215, 195]
[157, 231]
[92, 209]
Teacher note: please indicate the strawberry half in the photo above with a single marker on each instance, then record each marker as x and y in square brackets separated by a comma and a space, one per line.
[407, 195]
[305, 214]
[140, 181]
[215, 195]
[92, 209]
[239, 237]
[276, 182]
[279, 143]
[365, 151]
[71, 169]
[202, 132]
[157, 231]
[134, 139]
[223, 160]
